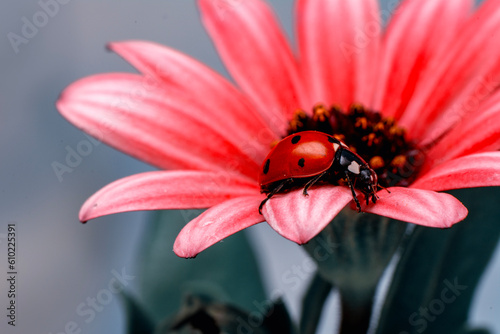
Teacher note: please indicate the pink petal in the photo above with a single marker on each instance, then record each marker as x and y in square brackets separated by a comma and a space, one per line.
[216, 224]
[477, 132]
[478, 92]
[256, 53]
[150, 124]
[415, 35]
[162, 190]
[300, 218]
[421, 207]
[461, 73]
[339, 45]
[220, 104]
[477, 170]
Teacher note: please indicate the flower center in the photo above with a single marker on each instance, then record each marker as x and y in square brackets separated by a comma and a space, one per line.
[378, 140]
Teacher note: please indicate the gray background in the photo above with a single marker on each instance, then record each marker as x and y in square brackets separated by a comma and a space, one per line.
[62, 263]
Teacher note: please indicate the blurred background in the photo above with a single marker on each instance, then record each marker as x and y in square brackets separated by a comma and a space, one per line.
[61, 263]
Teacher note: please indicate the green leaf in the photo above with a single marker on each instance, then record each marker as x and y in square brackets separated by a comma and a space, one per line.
[201, 314]
[138, 322]
[226, 271]
[279, 320]
[439, 270]
[476, 331]
[313, 302]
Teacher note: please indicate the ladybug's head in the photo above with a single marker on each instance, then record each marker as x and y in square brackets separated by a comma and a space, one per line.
[368, 183]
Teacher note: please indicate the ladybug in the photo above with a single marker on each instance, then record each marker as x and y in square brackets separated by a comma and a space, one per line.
[306, 157]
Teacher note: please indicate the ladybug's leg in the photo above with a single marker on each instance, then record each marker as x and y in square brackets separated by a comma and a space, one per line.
[311, 182]
[370, 194]
[353, 192]
[384, 188]
[373, 198]
[273, 192]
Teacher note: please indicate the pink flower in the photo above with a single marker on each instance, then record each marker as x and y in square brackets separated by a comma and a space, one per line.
[435, 70]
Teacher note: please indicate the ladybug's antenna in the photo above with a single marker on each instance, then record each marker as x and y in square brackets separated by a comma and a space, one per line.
[383, 188]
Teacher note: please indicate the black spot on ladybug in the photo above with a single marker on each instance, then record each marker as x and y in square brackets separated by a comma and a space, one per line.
[266, 166]
[331, 140]
[301, 162]
[295, 139]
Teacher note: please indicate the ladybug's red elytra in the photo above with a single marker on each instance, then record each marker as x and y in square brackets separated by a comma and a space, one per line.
[307, 157]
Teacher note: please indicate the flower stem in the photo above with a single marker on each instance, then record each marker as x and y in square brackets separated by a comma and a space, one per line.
[312, 304]
[356, 311]
[352, 252]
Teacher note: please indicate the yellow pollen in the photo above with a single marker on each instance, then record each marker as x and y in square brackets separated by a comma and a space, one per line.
[339, 137]
[370, 139]
[396, 131]
[361, 122]
[320, 113]
[294, 124]
[390, 121]
[398, 161]
[296, 121]
[380, 126]
[376, 162]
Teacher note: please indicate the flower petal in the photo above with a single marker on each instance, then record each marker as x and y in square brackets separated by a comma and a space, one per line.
[477, 132]
[416, 33]
[214, 100]
[300, 218]
[477, 170]
[461, 74]
[421, 207]
[256, 53]
[218, 223]
[339, 45]
[154, 125]
[163, 190]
